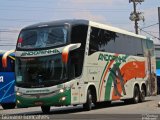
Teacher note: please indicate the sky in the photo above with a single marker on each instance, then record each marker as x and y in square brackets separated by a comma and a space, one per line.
[16, 14]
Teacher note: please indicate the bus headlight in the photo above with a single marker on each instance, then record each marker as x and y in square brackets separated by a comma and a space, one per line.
[63, 98]
[18, 102]
[61, 90]
[18, 93]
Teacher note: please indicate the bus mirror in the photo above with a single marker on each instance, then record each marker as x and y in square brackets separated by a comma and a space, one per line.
[66, 51]
[4, 58]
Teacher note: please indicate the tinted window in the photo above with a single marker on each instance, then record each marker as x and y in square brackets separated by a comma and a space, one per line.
[42, 37]
[78, 35]
[108, 41]
[101, 40]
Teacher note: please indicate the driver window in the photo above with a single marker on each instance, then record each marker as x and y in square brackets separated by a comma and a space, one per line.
[78, 35]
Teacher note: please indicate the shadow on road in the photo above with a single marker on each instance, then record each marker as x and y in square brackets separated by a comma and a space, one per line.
[78, 109]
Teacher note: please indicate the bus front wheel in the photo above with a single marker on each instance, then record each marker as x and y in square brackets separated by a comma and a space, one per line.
[88, 105]
[8, 105]
[45, 109]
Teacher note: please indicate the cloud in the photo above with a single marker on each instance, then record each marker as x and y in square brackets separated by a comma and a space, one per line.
[99, 1]
[89, 16]
[151, 18]
[107, 2]
[91, 1]
[151, 14]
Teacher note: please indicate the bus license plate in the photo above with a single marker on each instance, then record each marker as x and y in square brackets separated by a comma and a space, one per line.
[38, 103]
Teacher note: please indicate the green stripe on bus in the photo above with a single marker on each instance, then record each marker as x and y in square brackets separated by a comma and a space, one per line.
[109, 83]
[101, 78]
[108, 88]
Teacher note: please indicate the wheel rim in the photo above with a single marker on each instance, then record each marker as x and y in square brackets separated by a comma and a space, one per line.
[90, 101]
[136, 96]
[143, 94]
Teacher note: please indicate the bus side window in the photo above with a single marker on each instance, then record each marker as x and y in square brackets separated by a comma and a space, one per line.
[102, 40]
[93, 45]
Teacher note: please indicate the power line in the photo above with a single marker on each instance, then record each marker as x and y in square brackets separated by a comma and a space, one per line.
[5, 40]
[67, 9]
[150, 26]
[61, 10]
[7, 45]
[16, 20]
[9, 31]
[152, 31]
[149, 34]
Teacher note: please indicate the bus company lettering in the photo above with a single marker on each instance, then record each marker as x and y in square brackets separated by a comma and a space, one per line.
[107, 57]
[42, 52]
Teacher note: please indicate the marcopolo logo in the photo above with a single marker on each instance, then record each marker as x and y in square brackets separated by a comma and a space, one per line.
[42, 52]
[1, 79]
[37, 91]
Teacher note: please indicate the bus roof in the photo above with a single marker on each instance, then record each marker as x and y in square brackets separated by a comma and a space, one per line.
[58, 22]
[115, 29]
[85, 22]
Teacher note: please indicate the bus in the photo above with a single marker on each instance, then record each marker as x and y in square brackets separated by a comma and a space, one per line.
[7, 80]
[72, 62]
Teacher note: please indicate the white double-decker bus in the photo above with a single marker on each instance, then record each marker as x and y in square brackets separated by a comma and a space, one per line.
[70, 62]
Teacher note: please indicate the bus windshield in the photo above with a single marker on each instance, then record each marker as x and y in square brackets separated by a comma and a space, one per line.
[42, 37]
[40, 71]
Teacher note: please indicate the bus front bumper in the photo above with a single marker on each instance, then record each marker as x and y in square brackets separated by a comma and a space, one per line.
[59, 99]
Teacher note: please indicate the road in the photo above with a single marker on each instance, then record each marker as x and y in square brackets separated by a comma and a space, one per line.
[118, 109]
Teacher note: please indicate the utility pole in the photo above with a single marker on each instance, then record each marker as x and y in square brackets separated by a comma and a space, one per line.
[159, 19]
[136, 21]
[136, 16]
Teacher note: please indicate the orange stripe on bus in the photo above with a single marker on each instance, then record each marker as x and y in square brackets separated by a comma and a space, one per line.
[129, 71]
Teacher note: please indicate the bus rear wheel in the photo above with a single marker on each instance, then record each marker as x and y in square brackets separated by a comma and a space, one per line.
[45, 109]
[8, 105]
[88, 105]
[136, 95]
[142, 94]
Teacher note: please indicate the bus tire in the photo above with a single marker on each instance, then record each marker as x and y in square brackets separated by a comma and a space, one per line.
[136, 95]
[8, 105]
[88, 105]
[142, 94]
[45, 109]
